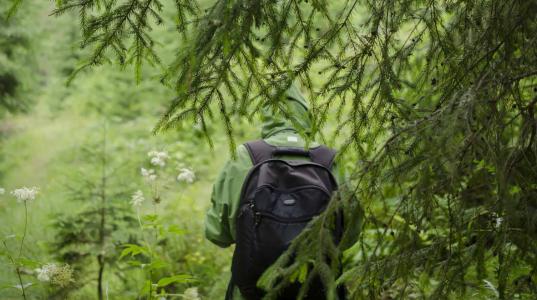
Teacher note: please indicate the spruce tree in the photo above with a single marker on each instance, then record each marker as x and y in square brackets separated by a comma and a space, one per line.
[90, 238]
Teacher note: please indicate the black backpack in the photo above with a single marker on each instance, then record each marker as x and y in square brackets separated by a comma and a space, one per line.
[278, 199]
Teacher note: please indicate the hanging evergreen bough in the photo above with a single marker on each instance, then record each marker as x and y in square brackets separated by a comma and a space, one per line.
[435, 100]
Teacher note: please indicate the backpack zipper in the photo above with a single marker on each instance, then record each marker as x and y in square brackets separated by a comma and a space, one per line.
[295, 189]
[259, 215]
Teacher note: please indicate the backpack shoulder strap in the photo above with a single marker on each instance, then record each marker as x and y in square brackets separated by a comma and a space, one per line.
[323, 155]
[259, 151]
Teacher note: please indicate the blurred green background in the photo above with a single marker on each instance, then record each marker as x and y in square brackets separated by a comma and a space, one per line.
[52, 137]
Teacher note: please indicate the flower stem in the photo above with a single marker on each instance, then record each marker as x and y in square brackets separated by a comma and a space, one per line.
[20, 280]
[149, 249]
[20, 249]
[25, 226]
[139, 221]
[16, 269]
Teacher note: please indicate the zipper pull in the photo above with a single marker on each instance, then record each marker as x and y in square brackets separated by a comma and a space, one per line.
[257, 218]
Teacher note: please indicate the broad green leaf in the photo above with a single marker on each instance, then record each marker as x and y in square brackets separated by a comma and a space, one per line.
[133, 250]
[145, 289]
[28, 262]
[182, 278]
[176, 230]
[150, 218]
[134, 263]
[158, 264]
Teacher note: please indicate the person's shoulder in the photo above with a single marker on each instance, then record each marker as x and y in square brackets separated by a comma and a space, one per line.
[291, 139]
[239, 153]
[241, 156]
[242, 152]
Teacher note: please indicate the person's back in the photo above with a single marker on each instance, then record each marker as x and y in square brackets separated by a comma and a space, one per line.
[284, 128]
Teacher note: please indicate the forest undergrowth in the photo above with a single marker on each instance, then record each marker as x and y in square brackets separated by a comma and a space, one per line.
[116, 115]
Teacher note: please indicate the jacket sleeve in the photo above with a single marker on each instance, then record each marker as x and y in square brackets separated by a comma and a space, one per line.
[217, 229]
[220, 218]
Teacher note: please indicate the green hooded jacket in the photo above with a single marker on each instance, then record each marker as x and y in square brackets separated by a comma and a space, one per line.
[287, 125]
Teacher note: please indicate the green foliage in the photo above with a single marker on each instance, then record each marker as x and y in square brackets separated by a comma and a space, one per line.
[151, 255]
[95, 231]
[174, 279]
[431, 102]
[421, 89]
[107, 32]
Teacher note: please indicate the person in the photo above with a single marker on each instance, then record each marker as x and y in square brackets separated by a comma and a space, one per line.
[288, 126]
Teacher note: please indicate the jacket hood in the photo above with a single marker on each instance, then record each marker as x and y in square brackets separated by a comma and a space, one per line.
[291, 112]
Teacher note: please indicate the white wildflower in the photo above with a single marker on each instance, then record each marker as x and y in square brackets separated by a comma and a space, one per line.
[57, 275]
[499, 221]
[186, 175]
[43, 273]
[2, 191]
[158, 158]
[25, 194]
[148, 174]
[156, 161]
[191, 294]
[137, 198]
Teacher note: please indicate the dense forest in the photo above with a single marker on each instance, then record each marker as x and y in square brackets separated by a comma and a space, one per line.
[116, 115]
